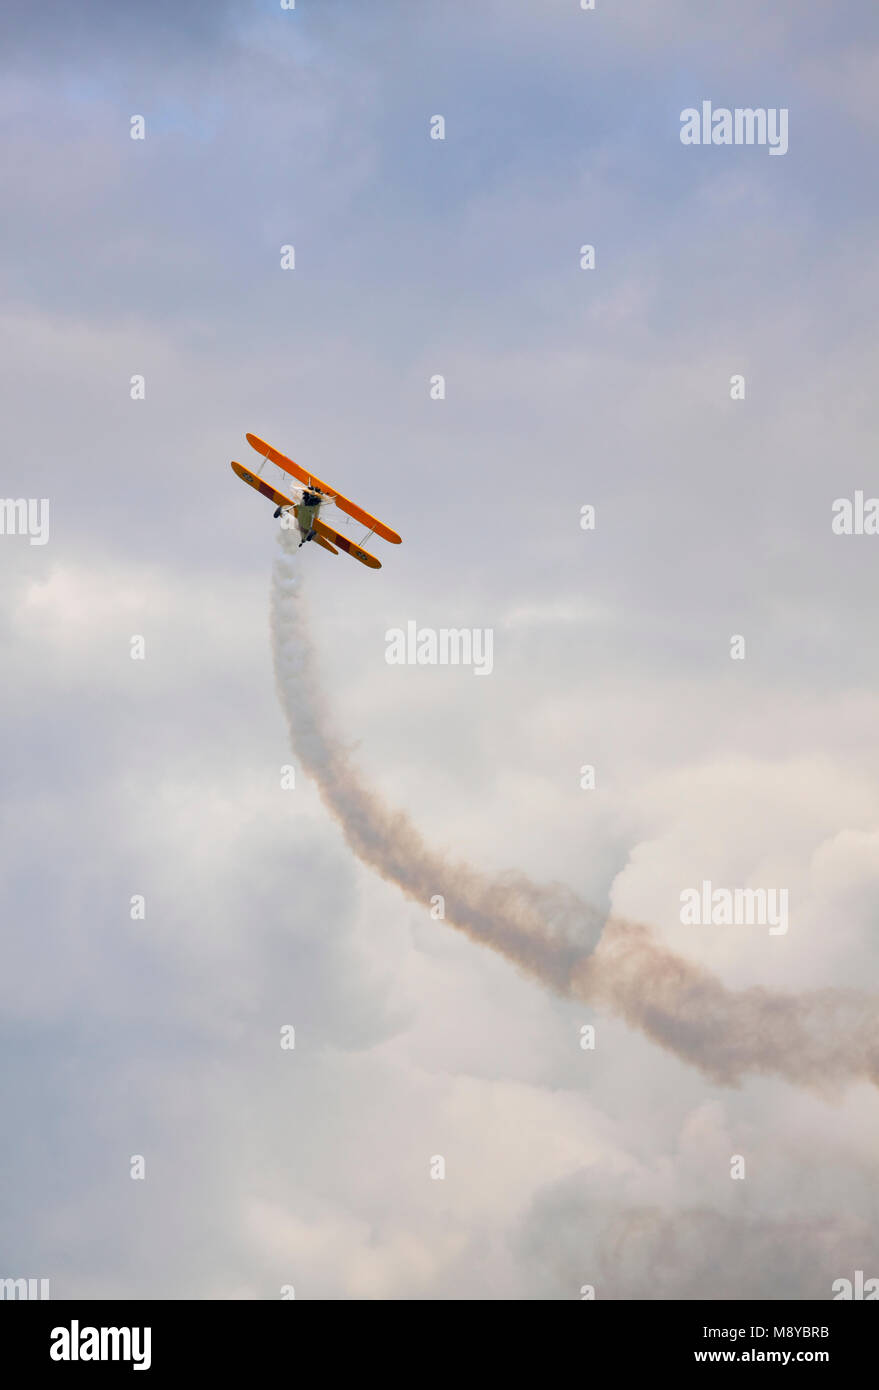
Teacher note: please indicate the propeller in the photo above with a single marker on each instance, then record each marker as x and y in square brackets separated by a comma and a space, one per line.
[299, 490]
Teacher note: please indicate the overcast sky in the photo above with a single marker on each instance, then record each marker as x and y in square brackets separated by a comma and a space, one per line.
[161, 777]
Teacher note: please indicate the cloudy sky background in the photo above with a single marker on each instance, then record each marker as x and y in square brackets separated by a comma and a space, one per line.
[564, 387]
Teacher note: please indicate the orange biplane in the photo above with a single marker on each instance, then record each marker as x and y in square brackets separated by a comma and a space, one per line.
[311, 496]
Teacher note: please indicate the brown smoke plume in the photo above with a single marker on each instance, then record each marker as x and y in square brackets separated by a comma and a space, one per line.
[818, 1039]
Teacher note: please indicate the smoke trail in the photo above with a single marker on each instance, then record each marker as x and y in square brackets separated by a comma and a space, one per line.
[655, 1252]
[818, 1039]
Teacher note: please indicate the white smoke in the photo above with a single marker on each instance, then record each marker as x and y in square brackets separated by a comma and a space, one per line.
[821, 1039]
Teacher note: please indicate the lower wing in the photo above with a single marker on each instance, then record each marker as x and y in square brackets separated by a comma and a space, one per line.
[328, 534]
[262, 486]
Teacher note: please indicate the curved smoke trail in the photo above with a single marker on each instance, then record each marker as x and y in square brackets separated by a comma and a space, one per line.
[818, 1039]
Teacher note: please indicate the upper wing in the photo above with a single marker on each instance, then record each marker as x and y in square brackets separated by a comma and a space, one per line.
[262, 486]
[327, 533]
[350, 508]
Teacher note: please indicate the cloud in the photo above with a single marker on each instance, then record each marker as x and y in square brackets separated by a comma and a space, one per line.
[163, 777]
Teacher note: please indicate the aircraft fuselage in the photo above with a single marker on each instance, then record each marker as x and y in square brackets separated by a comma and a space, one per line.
[306, 513]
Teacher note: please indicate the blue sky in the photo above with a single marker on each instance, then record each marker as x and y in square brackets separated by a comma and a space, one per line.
[564, 387]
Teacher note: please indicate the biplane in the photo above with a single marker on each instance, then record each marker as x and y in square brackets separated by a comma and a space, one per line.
[310, 497]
